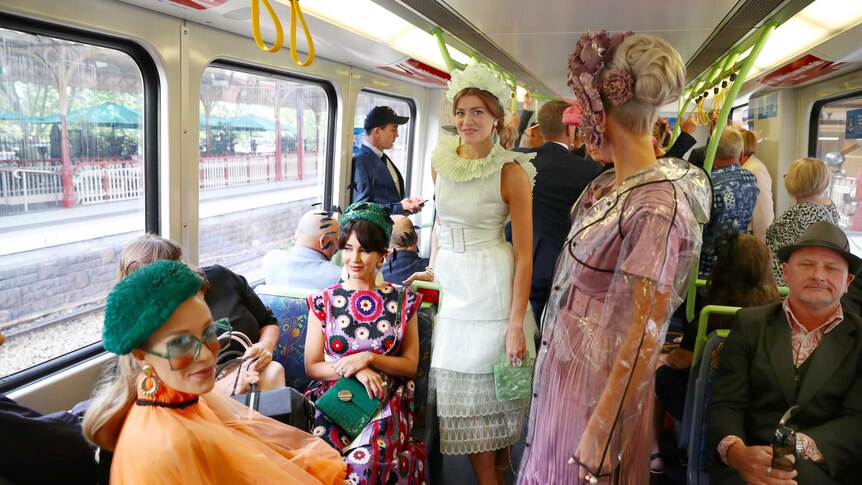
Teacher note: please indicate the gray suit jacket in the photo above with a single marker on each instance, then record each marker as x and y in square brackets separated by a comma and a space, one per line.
[755, 384]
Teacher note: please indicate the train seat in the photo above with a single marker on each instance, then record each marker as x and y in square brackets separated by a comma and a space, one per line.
[700, 454]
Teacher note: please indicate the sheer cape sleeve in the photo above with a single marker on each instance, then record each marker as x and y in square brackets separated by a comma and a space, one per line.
[212, 439]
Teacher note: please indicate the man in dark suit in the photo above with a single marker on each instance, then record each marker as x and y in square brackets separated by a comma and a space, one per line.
[561, 177]
[403, 259]
[805, 352]
[375, 178]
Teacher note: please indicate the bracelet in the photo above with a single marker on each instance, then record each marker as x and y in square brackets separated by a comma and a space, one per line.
[429, 270]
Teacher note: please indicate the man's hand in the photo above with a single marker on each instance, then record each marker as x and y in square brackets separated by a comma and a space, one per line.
[754, 463]
[679, 359]
[528, 101]
[412, 205]
[689, 125]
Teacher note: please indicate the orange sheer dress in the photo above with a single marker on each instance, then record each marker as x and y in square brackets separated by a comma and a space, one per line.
[175, 438]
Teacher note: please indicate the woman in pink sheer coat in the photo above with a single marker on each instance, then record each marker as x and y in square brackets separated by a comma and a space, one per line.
[622, 272]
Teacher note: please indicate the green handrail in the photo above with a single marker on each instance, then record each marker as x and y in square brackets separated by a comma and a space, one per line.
[703, 323]
[719, 128]
[451, 64]
[429, 285]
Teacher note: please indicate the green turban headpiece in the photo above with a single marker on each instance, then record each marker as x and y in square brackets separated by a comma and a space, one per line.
[143, 301]
[370, 212]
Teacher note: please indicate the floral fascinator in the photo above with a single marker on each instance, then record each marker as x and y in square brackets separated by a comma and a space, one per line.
[593, 52]
[480, 76]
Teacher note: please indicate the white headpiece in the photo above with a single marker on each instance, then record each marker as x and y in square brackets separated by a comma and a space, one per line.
[480, 76]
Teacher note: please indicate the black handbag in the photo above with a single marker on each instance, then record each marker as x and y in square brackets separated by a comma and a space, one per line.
[284, 404]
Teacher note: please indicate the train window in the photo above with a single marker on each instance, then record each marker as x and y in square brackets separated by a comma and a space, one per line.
[741, 114]
[400, 151]
[75, 152]
[838, 143]
[263, 162]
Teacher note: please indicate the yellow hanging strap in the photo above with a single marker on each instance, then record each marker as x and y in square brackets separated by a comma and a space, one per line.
[701, 116]
[295, 12]
[255, 26]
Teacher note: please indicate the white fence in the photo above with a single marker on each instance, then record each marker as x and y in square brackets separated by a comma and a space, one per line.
[106, 181]
[19, 186]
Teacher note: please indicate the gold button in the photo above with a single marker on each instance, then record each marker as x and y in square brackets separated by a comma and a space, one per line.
[345, 395]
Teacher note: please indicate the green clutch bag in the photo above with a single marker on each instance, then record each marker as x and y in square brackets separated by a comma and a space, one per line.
[513, 382]
[347, 404]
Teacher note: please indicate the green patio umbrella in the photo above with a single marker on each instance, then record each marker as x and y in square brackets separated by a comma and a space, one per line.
[105, 114]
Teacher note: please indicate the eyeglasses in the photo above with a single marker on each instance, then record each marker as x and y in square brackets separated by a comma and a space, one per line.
[184, 350]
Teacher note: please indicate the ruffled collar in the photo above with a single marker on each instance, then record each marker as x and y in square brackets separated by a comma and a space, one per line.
[447, 163]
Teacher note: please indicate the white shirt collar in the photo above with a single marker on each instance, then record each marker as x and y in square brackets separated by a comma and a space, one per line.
[562, 145]
[374, 149]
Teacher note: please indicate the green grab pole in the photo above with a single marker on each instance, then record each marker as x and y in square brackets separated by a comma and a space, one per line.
[702, 324]
[544, 97]
[712, 147]
[451, 64]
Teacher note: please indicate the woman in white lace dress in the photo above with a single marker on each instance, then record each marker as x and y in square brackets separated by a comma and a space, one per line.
[486, 281]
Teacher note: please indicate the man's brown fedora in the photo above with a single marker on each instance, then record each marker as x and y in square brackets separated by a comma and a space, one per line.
[825, 235]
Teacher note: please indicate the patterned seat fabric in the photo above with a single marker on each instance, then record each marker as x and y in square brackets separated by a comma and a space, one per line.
[425, 318]
[292, 315]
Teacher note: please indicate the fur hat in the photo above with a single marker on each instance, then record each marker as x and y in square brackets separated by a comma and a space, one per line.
[143, 301]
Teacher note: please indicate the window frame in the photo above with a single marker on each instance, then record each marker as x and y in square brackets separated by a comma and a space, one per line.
[814, 119]
[331, 98]
[411, 104]
[151, 84]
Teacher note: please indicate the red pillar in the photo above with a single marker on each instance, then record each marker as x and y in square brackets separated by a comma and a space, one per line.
[66, 168]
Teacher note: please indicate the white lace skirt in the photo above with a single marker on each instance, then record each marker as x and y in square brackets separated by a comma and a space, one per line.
[472, 420]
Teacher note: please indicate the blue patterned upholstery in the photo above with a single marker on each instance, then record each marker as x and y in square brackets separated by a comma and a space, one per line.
[292, 315]
[425, 318]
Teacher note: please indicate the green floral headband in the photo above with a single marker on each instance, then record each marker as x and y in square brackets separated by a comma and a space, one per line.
[370, 212]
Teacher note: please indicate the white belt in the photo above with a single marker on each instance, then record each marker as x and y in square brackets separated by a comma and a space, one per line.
[460, 239]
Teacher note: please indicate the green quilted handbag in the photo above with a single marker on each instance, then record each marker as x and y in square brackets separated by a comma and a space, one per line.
[513, 382]
[347, 404]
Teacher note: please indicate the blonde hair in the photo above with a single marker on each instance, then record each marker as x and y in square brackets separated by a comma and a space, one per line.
[749, 142]
[729, 145]
[508, 136]
[149, 248]
[112, 398]
[658, 74]
[807, 177]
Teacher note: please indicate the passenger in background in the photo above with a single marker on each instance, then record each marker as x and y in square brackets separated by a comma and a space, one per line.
[525, 117]
[531, 140]
[742, 277]
[561, 176]
[698, 154]
[375, 178]
[404, 258]
[156, 411]
[508, 136]
[228, 296]
[734, 193]
[367, 329]
[308, 264]
[764, 209]
[807, 181]
[684, 141]
[806, 353]
[485, 280]
[37, 448]
[622, 272]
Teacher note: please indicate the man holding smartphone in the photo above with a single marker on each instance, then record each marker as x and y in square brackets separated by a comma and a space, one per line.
[375, 178]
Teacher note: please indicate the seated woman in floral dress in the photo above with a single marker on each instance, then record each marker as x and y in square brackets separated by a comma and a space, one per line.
[367, 328]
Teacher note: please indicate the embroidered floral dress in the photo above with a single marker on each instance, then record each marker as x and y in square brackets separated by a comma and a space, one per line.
[371, 321]
[476, 270]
